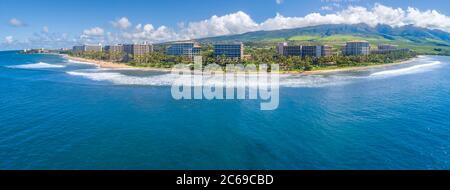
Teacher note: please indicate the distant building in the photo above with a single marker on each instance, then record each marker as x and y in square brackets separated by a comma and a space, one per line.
[292, 51]
[230, 50]
[286, 50]
[78, 49]
[114, 48]
[327, 51]
[137, 49]
[188, 49]
[388, 48]
[357, 48]
[36, 51]
[93, 47]
[85, 47]
[280, 47]
[316, 51]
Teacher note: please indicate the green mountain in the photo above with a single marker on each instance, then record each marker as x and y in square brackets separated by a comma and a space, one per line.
[422, 40]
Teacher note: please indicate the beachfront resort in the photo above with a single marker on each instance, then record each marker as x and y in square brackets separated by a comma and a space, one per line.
[290, 56]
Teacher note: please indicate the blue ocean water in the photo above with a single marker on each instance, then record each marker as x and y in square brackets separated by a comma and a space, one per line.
[60, 114]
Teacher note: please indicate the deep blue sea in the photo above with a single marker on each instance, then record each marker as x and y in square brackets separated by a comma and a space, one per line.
[61, 114]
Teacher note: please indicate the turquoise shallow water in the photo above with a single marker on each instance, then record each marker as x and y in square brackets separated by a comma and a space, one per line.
[59, 114]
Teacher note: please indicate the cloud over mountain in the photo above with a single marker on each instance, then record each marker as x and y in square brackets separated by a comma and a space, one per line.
[240, 22]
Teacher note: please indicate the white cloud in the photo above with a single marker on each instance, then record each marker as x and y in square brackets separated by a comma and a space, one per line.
[150, 34]
[240, 22]
[9, 40]
[45, 29]
[96, 31]
[234, 23]
[122, 23]
[326, 8]
[279, 1]
[379, 14]
[16, 22]
[138, 27]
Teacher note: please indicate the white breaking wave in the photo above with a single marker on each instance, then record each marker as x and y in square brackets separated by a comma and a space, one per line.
[408, 70]
[80, 62]
[121, 79]
[314, 81]
[40, 65]
[168, 79]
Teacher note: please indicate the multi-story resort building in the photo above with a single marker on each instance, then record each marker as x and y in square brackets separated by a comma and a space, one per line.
[78, 49]
[304, 51]
[230, 50]
[287, 50]
[113, 48]
[327, 51]
[93, 47]
[316, 51]
[188, 49]
[137, 49]
[357, 48]
[85, 47]
[280, 47]
[388, 48]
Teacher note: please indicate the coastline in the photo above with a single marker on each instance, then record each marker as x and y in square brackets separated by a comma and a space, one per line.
[101, 64]
[113, 65]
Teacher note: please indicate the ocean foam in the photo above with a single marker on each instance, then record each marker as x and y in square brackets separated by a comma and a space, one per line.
[121, 79]
[118, 78]
[408, 70]
[79, 62]
[40, 65]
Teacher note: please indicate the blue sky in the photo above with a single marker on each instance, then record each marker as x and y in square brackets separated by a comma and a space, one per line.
[52, 23]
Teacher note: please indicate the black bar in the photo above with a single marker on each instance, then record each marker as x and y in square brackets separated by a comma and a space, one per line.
[149, 179]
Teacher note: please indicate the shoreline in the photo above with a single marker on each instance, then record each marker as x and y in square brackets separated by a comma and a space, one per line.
[113, 65]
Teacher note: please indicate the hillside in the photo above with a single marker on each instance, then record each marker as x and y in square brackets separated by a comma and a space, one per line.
[422, 40]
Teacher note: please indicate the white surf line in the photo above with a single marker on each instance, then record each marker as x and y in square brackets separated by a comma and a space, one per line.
[40, 65]
[408, 70]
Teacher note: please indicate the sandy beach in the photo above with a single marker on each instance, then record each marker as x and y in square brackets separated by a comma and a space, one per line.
[113, 65]
[101, 64]
[361, 68]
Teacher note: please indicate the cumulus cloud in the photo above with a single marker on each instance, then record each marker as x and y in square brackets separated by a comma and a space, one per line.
[45, 29]
[148, 33]
[122, 23]
[96, 31]
[234, 23]
[9, 40]
[240, 22]
[16, 22]
[379, 14]
[326, 8]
